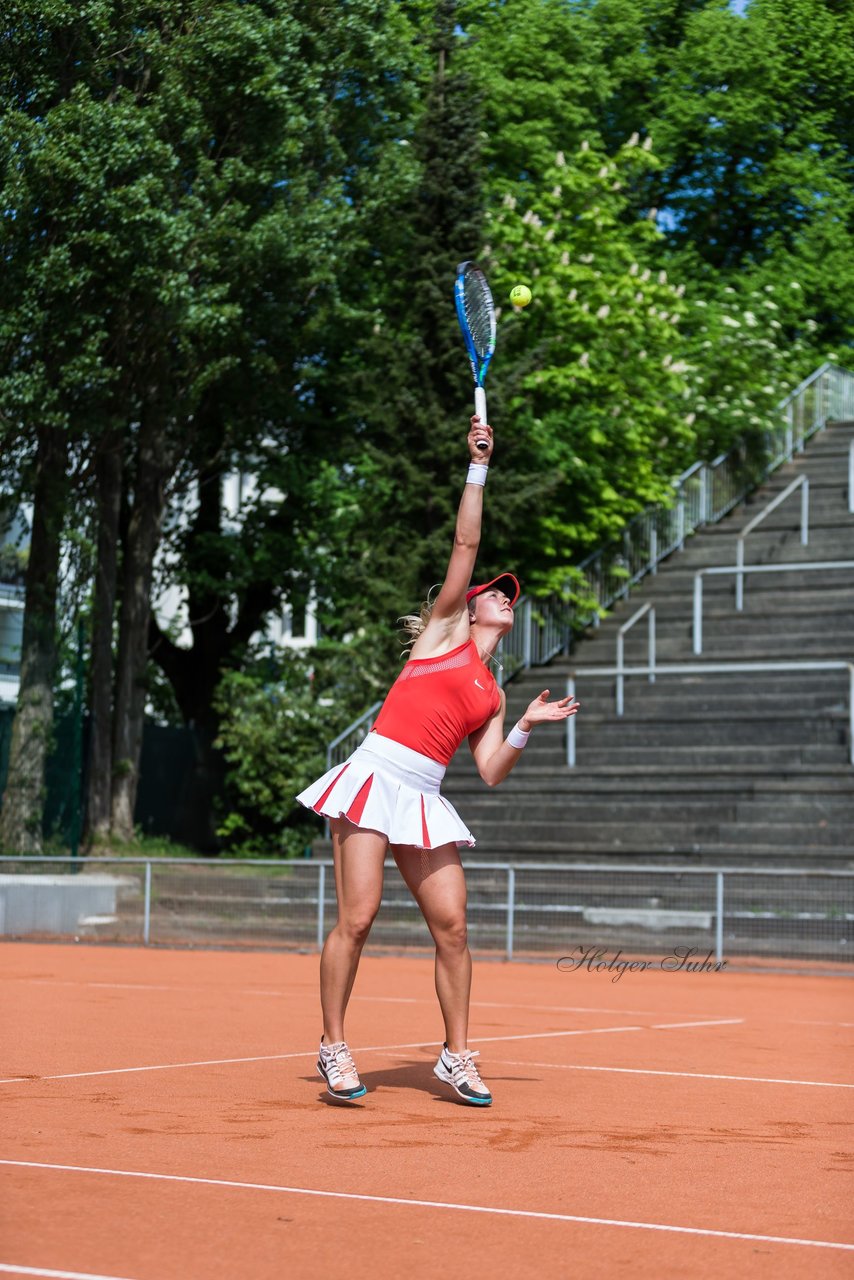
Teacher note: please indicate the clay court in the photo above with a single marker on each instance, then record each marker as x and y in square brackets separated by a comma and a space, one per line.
[163, 1121]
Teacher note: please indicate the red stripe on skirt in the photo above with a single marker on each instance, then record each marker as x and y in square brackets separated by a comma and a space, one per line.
[425, 834]
[357, 808]
[322, 801]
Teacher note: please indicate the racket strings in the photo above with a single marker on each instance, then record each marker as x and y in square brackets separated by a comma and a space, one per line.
[480, 313]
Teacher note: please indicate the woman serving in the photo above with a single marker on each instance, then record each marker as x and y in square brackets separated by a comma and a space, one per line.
[387, 796]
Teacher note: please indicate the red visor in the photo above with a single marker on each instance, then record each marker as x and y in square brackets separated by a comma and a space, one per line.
[505, 582]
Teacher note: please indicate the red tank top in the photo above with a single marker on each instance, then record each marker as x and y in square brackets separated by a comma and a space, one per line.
[436, 702]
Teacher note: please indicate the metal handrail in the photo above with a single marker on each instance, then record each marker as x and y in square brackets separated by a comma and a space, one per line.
[703, 494]
[851, 477]
[802, 483]
[510, 906]
[368, 716]
[127, 860]
[790, 567]
[538, 635]
[627, 626]
[806, 382]
[367, 719]
[712, 668]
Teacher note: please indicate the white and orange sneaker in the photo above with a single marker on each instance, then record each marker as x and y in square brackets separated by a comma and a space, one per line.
[335, 1063]
[458, 1070]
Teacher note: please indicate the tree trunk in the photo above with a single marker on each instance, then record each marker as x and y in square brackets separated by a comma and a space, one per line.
[100, 771]
[194, 673]
[143, 536]
[23, 800]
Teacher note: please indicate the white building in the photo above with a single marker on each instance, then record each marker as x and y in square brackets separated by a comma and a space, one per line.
[170, 605]
[290, 630]
[14, 536]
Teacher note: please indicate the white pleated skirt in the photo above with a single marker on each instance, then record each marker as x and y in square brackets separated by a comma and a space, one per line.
[392, 789]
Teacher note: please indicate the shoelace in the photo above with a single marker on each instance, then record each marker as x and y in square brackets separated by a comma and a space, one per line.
[463, 1069]
[340, 1065]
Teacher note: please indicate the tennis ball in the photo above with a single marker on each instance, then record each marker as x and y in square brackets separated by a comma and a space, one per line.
[520, 295]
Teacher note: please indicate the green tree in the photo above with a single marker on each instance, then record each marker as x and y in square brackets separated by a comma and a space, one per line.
[23, 798]
[276, 715]
[185, 181]
[753, 123]
[592, 368]
[405, 383]
[297, 275]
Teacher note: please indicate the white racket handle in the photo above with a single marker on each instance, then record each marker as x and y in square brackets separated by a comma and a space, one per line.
[480, 403]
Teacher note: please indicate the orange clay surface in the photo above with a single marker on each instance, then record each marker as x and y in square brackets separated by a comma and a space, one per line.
[668, 1124]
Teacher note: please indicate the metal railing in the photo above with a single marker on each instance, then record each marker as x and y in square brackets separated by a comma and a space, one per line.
[649, 611]
[349, 739]
[802, 483]
[702, 494]
[826, 394]
[709, 668]
[342, 747]
[540, 631]
[705, 492]
[546, 910]
[851, 478]
[742, 570]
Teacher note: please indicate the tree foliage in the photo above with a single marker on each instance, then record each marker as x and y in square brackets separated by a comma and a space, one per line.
[597, 392]
[228, 246]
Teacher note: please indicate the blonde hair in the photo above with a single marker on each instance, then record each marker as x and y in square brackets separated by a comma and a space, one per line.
[414, 623]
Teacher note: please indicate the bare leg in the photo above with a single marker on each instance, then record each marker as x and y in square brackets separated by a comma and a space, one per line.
[359, 857]
[437, 882]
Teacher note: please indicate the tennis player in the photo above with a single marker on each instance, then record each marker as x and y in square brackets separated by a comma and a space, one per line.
[387, 794]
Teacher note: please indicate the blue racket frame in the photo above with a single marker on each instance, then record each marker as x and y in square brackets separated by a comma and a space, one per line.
[479, 366]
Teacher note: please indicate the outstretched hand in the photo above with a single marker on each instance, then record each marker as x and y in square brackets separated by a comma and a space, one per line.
[480, 440]
[541, 711]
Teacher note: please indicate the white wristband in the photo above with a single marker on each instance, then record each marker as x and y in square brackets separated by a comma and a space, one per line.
[518, 738]
[477, 473]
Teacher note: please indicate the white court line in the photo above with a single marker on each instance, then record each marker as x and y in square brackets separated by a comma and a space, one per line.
[119, 986]
[474, 1004]
[539, 1008]
[810, 1022]
[435, 1204]
[310, 1053]
[60, 1275]
[686, 1075]
[718, 1022]
[290, 995]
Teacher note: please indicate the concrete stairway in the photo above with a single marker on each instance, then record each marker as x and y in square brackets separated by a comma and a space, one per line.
[734, 769]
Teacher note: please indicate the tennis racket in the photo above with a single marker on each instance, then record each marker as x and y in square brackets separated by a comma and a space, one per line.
[476, 314]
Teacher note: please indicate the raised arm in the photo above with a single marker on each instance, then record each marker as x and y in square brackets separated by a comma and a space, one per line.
[449, 622]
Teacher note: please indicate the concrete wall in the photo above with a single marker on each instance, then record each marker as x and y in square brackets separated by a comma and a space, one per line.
[57, 903]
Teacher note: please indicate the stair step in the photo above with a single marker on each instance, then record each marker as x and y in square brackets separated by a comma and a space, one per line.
[712, 856]
[701, 756]
[668, 836]
[639, 705]
[820, 811]
[714, 853]
[709, 770]
[582, 785]
[718, 733]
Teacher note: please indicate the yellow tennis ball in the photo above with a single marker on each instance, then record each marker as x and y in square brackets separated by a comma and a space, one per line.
[520, 295]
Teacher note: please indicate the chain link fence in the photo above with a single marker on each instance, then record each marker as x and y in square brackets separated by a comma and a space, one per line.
[521, 910]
